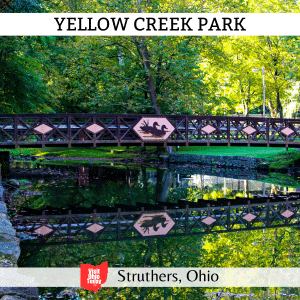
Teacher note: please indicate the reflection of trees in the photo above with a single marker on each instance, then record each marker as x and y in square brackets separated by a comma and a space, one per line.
[145, 180]
[148, 293]
[102, 186]
[110, 185]
[165, 252]
[159, 183]
[142, 293]
[246, 188]
[274, 248]
[166, 186]
[269, 248]
[170, 252]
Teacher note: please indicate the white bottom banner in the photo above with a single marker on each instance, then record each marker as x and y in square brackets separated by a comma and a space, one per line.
[155, 277]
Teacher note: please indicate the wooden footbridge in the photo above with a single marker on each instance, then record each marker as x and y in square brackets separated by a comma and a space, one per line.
[163, 219]
[92, 130]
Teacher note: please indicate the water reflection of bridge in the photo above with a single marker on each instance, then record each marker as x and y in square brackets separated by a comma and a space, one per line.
[104, 224]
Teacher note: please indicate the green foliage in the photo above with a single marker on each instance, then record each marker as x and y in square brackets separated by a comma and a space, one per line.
[23, 85]
[25, 6]
[191, 75]
[284, 160]
[281, 179]
[187, 75]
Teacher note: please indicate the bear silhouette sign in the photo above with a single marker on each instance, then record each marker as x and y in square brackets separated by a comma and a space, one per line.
[154, 129]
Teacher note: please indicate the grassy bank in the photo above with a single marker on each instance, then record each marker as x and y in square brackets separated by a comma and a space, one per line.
[124, 152]
[277, 158]
[100, 152]
[259, 152]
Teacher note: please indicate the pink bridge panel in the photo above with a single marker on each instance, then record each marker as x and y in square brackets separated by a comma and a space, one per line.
[43, 129]
[249, 130]
[154, 224]
[154, 129]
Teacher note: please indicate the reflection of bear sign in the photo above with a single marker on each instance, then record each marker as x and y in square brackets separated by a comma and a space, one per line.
[154, 129]
[154, 224]
[154, 221]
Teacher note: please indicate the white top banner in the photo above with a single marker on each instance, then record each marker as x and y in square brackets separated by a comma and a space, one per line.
[170, 24]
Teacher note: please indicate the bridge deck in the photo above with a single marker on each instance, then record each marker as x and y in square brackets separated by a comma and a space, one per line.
[86, 130]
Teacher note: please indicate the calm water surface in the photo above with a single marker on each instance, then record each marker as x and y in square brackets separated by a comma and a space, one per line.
[84, 186]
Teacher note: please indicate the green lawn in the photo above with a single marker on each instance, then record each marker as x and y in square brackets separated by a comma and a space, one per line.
[259, 152]
[100, 152]
[110, 152]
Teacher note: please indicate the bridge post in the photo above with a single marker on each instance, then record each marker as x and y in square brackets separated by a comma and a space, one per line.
[43, 135]
[4, 162]
[69, 225]
[16, 139]
[42, 237]
[94, 134]
[69, 131]
[208, 214]
[118, 131]
[119, 224]
[248, 140]
[268, 213]
[228, 132]
[249, 211]
[186, 131]
[286, 207]
[186, 219]
[43, 140]
[228, 216]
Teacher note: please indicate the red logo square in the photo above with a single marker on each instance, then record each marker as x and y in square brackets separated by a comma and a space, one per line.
[92, 277]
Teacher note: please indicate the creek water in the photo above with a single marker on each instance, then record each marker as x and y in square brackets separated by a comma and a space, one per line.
[108, 185]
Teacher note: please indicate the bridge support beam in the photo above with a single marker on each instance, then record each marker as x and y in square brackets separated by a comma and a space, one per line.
[4, 162]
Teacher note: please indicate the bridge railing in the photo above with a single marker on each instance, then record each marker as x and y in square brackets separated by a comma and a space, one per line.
[115, 129]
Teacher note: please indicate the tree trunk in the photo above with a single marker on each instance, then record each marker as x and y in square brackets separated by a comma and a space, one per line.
[144, 55]
[279, 106]
[248, 100]
[245, 108]
[272, 109]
